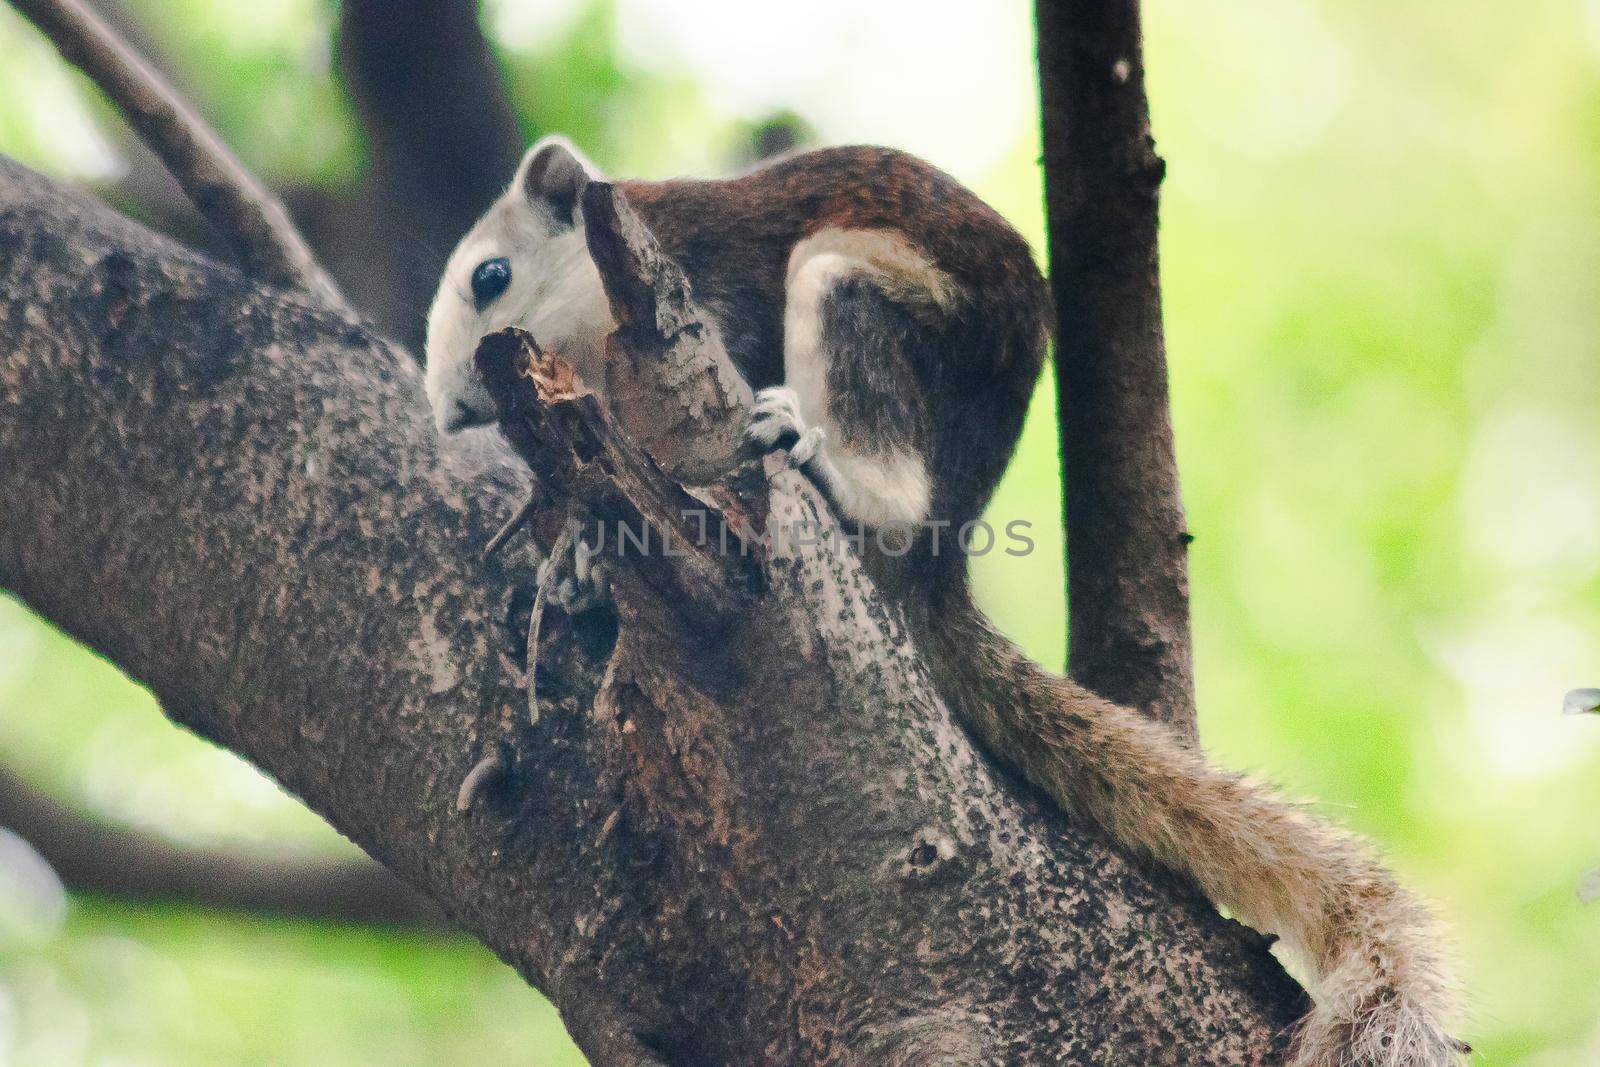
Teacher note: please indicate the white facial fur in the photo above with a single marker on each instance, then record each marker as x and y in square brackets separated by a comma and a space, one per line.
[555, 294]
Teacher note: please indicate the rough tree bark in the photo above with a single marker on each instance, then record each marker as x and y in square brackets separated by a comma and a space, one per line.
[742, 828]
[1127, 541]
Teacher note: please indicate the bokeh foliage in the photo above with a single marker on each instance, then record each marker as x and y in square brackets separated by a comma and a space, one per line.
[1381, 254]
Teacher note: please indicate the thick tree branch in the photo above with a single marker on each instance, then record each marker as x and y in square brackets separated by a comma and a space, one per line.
[89, 856]
[257, 229]
[1127, 542]
[756, 840]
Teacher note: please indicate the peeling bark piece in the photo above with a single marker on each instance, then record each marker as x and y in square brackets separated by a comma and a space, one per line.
[485, 776]
[523, 515]
[663, 339]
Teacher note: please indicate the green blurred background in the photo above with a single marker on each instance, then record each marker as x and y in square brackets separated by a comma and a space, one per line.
[1381, 250]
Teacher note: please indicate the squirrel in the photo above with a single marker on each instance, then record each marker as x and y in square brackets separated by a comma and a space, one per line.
[893, 327]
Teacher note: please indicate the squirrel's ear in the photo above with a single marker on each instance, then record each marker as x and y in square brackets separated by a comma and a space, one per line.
[552, 175]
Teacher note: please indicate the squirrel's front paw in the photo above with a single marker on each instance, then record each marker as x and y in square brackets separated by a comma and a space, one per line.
[576, 583]
[776, 423]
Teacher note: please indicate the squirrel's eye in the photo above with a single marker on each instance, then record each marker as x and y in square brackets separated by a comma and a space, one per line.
[489, 280]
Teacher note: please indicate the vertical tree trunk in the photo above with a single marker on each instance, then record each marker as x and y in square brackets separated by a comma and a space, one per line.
[443, 139]
[1127, 566]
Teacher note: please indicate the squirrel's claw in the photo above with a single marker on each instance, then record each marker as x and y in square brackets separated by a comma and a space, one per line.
[578, 582]
[776, 423]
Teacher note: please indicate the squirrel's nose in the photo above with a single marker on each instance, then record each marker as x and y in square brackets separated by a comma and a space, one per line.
[460, 418]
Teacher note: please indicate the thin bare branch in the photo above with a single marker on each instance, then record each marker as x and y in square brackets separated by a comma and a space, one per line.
[1127, 541]
[92, 857]
[248, 217]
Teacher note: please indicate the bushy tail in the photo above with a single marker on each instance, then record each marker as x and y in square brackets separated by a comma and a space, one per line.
[1379, 983]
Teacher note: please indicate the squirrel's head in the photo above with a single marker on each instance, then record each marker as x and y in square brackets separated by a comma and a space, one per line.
[526, 264]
